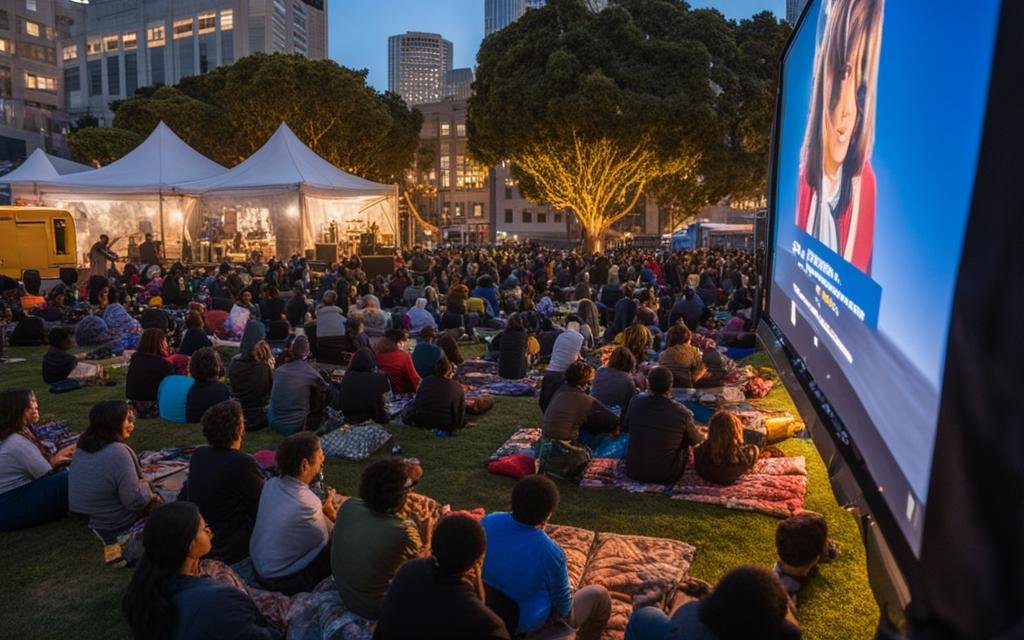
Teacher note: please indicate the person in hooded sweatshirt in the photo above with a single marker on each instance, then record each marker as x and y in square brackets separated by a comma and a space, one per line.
[330, 330]
[420, 318]
[364, 390]
[251, 375]
[298, 397]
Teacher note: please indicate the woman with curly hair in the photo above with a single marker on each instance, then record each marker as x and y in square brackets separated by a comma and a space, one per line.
[638, 339]
[205, 367]
[723, 457]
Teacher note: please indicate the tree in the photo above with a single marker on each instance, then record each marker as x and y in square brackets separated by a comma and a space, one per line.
[596, 109]
[97, 146]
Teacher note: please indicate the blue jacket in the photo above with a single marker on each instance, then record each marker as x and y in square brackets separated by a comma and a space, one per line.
[526, 565]
[206, 609]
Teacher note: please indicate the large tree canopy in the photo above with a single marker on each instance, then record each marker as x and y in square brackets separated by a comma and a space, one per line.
[647, 96]
[97, 146]
[229, 112]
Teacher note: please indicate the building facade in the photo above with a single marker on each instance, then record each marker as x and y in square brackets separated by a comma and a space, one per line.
[458, 84]
[32, 113]
[417, 64]
[498, 14]
[516, 218]
[126, 44]
[793, 10]
[457, 197]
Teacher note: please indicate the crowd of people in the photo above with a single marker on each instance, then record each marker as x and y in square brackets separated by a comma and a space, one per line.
[499, 577]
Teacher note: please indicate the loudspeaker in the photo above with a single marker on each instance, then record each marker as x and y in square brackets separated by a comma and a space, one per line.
[327, 252]
[32, 281]
[68, 276]
[378, 265]
[367, 244]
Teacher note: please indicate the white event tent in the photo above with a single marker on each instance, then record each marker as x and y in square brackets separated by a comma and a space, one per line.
[38, 167]
[133, 195]
[285, 199]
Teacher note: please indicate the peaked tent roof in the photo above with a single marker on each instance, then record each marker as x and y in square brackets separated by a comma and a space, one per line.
[36, 168]
[65, 166]
[284, 162]
[163, 159]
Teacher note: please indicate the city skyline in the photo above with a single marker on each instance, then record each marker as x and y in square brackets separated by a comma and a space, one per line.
[358, 32]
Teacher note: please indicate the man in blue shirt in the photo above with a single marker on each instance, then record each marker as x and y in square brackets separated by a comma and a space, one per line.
[527, 566]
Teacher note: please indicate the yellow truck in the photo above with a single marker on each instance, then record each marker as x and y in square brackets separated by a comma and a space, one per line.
[36, 238]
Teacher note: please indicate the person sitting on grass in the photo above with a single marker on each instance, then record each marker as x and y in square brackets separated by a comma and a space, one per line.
[195, 337]
[526, 566]
[684, 360]
[450, 346]
[748, 602]
[59, 364]
[298, 396]
[395, 361]
[440, 402]
[571, 409]
[147, 368]
[661, 432]
[290, 544]
[33, 482]
[613, 383]
[225, 483]
[426, 354]
[513, 348]
[440, 597]
[355, 337]
[364, 390]
[330, 330]
[420, 318]
[105, 480]
[373, 537]
[723, 457]
[251, 375]
[167, 599]
[801, 542]
[205, 367]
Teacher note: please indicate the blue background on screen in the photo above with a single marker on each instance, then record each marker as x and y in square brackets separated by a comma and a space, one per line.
[930, 109]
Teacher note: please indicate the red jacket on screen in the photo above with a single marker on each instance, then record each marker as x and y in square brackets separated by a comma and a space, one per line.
[856, 225]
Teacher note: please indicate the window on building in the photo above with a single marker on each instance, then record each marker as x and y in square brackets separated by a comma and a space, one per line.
[30, 5]
[206, 53]
[460, 209]
[186, 58]
[508, 216]
[111, 43]
[227, 19]
[478, 209]
[460, 130]
[95, 69]
[542, 217]
[155, 36]
[227, 47]
[445, 211]
[33, 28]
[182, 28]
[508, 192]
[5, 22]
[207, 21]
[445, 129]
[40, 83]
[131, 73]
[156, 66]
[72, 79]
[130, 41]
[527, 216]
[113, 77]
[38, 52]
[94, 46]
[5, 81]
[558, 217]
[69, 52]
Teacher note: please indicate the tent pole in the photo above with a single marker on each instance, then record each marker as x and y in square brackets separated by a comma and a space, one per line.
[303, 221]
[163, 237]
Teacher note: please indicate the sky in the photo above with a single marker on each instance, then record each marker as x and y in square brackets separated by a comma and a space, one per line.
[359, 29]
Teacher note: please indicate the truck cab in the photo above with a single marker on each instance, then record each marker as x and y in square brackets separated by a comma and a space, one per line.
[36, 238]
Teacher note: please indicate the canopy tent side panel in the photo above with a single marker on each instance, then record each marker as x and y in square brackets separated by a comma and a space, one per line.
[234, 224]
[347, 217]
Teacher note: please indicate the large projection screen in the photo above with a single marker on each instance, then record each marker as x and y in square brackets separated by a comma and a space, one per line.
[881, 113]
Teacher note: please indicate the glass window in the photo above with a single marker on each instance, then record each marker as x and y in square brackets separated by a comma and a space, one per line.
[186, 58]
[155, 35]
[182, 28]
[30, 5]
[207, 21]
[111, 43]
[227, 47]
[95, 45]
[156, 66]
[5, 81]
[32, 28]
[130, 40]
[113, 77]
[131, 73]
[206, 53]
[60, 237]
[527, 215]
[478, 209]
[227, 19]
[542, 217]
[508, 216]
[460, 209]
[95, 77]
[460, 130]
[70, 52]
[508, 192]
[5, 22]
[40, 83]
[558, 217]
[38, 52]
[445, 129]
[72, 79]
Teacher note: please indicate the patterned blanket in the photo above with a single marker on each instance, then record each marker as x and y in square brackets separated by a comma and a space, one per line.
[522, 441]
[775, 486]
[54, 435]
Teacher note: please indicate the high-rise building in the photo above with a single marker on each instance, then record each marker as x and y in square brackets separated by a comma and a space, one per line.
[126, 44]
[498, 14]
[32, 113]
[458, 84]
[793, 10]
[417, 64]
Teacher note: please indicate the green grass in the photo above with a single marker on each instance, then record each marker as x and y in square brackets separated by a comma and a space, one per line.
[55, 583]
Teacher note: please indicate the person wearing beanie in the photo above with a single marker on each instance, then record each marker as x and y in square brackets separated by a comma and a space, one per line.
[441, 596]
[661, 432]
[420, 318]
[298, 395]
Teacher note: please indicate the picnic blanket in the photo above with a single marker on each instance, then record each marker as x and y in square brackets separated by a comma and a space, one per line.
[508, 388]
[524, 440]
[356, 442]
[54, 435]
[271, 604]
[398, 403]
[775, 486]
[477, 365]
[166, 470]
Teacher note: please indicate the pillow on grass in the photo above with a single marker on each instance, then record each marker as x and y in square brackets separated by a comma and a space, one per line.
[517, 466]
[356, 442]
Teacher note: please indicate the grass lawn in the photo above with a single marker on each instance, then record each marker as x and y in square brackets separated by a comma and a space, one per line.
[54, 582]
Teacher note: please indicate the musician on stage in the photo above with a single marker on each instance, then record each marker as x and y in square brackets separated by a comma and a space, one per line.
[101, 257]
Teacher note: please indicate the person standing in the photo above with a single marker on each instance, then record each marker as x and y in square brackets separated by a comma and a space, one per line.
[148, 252]
[101, 257]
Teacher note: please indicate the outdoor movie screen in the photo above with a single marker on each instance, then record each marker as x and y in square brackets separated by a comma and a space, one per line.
[877, 141]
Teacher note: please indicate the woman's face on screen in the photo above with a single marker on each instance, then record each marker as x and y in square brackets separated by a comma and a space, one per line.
[842, 117]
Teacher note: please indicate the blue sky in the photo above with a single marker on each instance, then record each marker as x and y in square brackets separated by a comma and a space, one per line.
[359, 29]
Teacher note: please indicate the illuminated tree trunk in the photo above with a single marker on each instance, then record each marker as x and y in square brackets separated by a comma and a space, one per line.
[593, 241]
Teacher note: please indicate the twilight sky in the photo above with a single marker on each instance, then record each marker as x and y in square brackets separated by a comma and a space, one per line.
[359, 29]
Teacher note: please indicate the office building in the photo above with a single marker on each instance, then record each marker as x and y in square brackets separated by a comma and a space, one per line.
[793, 10]
[498, 14]
[127, 44]
[32, 113]
[458, 84]
[417, 64]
